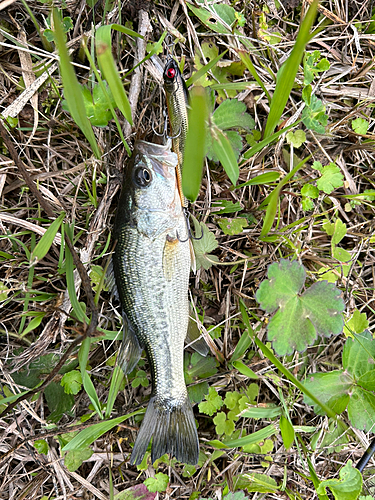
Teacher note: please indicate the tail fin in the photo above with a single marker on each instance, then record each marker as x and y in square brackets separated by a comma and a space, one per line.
[172, 431]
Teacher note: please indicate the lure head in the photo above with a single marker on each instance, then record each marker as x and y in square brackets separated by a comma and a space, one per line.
[172, 76]
[150, 200]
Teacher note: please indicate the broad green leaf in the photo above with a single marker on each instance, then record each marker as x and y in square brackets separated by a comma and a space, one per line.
[310, 191]
[341, 254]
[353, 386]
[72, 89]
[232, 226]
[72, 382]
[195, 145]
[357, 323]
[287, 432]
[96, 105]
[90, 434]
[41, 446]
[197, 392]
[45, 243]
[224, 152]
[358, 355]
[74, 459]
[108, 67]
[213, 403]
[360, 126]
[223, 425]
[34, 323]
[157, 483]
[348, 487]
[137, 492]
[4, 290]
[331, 178]
[332, 388]
[287, 73]
[232, 114]
[204, 245]
[296, 138]
[298, 319]
[58, 401]
[307, 204]
[314, 115]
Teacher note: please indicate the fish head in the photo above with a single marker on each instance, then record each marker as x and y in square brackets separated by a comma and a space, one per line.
[155, 199]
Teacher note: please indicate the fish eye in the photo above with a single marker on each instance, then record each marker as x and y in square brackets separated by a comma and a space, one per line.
[142, 176]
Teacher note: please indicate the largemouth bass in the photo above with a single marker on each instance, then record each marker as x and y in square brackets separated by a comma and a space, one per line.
[177, 102]
[151, 265]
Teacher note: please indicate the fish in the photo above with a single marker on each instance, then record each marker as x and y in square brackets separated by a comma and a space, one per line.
[177, 104]
[151, 267]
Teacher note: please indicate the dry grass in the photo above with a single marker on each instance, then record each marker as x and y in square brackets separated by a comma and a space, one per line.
[60, 163]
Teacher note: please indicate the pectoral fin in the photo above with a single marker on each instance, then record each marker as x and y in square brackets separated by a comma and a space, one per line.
[171, 248]
[109, 279]
[130, 351]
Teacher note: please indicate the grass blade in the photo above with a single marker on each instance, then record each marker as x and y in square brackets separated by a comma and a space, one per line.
[72, 89]
[108, 67]
[287, 73]
[92, 433]
[198, 74]
[273, 199]
[262, 144]
[117, 378]
[195, 144]
[45, 243]
[250, 66]
[83, 356]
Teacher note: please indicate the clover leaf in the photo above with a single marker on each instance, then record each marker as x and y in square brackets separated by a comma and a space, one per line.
[157, 483]
[232, 226]
[298, 318]
[213, 403]
[223, 424]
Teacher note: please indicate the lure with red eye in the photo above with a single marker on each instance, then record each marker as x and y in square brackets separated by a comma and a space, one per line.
[171, 73]
[177, 101]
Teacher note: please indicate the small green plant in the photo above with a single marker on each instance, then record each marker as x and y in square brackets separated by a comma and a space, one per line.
[298, 318]
[313, 64]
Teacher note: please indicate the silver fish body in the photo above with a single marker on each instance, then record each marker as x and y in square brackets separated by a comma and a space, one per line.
[151, 265]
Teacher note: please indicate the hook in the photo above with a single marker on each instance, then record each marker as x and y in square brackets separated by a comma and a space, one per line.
[174, 136]
[190, 234]
[169, 43]
[164, 134]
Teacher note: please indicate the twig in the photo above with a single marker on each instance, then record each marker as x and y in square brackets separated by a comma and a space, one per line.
[136, 81]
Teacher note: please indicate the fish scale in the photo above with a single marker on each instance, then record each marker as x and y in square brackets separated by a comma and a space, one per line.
[151, 265]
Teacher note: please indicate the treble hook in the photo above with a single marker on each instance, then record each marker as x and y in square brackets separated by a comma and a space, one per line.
[164, 134]
[174, 136]
[169, 43]
[190, 234]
